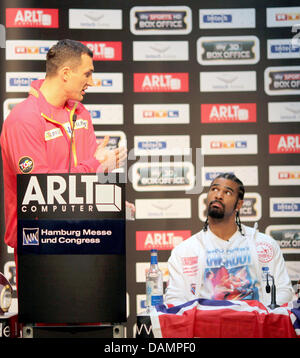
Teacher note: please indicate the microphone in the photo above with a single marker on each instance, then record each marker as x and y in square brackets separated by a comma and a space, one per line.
[268, 287]
[273, 304]
[74, 118]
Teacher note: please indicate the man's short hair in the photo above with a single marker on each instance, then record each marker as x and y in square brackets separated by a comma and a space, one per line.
[65, 52]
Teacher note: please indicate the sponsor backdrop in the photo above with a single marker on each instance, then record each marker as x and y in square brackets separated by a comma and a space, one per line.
[172, 77]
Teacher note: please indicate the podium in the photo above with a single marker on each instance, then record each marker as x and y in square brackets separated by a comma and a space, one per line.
[71, 250]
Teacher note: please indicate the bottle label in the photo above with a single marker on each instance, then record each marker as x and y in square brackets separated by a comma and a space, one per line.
[152, 296]
[265, 270]
[153, 260]
[156, 300]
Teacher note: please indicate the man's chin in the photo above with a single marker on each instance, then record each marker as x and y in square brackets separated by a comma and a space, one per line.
[216, 214]
[77, 98]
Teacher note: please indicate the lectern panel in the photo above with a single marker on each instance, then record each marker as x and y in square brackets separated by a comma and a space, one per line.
[72, 288]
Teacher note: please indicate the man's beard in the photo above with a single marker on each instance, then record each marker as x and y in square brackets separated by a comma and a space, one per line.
[216, 213]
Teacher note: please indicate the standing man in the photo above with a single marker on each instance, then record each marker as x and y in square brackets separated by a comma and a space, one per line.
[226, 260]
[51, 131]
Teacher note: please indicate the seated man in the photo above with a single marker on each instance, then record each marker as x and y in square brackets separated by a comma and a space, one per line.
[226, 260]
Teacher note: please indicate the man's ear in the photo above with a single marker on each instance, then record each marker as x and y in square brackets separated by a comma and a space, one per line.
[239, 204]
[65, 73]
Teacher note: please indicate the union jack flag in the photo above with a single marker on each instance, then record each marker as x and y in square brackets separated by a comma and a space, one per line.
[295, 317]
[225, 319]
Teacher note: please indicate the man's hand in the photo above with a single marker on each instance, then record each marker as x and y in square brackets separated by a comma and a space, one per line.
[110, 159]
[130, 211]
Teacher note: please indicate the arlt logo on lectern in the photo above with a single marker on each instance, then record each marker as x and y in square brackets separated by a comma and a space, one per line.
[62, 195]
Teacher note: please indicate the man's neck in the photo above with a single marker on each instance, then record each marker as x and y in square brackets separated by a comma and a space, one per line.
[221, 228]
[51, 90]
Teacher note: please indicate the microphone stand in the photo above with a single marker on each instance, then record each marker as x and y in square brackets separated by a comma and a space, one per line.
[273, 304]
[74, 118]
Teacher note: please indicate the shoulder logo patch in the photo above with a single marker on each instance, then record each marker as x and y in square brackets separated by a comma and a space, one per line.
[26, 165]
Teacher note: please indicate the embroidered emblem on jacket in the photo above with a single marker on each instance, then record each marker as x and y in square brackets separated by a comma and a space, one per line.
[53, 133]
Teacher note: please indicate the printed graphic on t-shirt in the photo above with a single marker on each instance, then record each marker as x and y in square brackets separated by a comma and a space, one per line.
[227, 275]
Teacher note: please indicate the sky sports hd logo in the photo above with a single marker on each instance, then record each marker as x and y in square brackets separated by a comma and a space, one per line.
[282, 80]
[160, 20]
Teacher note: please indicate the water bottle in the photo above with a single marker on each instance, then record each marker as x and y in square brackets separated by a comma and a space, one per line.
[154, 282]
